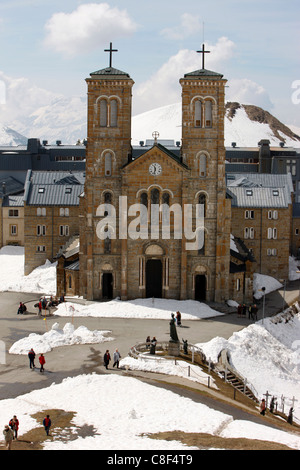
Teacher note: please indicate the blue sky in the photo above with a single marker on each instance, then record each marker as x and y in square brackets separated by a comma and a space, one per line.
[54, 46]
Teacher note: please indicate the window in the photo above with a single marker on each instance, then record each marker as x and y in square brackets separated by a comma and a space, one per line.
[155, 196]
[272, 233]
[198, 112]
[41, 248]
[202, 202]
[271, 252]
[64, 230]
[202, 165]
[249, 214]
[41, 211]
[103, 113]
[273, 215]
[249, 192]
[41, 230]
[13, 230]
[249, 233]
[68, 190]
[64, 212]
[296, 231]
[108, 113]
[238, 284]
[275, 192]
[108, 160]
[208, 113]
[13, 213]
[41, 190]
[113, 113]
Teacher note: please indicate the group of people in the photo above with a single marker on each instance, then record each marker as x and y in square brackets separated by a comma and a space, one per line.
[42, 360]
[10, 431]
[107, 358]
[251, 309]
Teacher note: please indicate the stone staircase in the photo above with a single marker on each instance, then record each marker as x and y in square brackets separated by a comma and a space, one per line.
[230, 376]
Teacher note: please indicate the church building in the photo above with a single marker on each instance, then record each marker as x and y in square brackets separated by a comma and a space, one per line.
[157, 224]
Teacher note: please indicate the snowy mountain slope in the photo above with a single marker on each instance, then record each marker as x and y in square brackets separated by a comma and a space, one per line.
[10, 137]
[65, 119]
[244, 124]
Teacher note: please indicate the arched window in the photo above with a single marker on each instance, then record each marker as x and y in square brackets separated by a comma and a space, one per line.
[166, 198]
[108, 166]
[198, 113]
[144, 214]
[154, 196]
[202, 165]
[202, 202]
[113, 113]
[208, 113]
[103, 113]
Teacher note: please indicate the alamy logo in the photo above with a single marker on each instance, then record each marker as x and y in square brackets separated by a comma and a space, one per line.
[140, 222]
[296, 94]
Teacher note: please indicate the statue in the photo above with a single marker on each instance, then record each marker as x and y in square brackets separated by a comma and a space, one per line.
[173, 331]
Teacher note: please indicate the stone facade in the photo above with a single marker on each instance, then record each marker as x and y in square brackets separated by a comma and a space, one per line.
[154, 265]
[44, 235]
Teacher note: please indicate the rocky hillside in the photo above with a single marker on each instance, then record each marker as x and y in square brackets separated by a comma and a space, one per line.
[259, 115]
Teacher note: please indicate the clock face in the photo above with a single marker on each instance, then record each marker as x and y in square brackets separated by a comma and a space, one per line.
[155, 169]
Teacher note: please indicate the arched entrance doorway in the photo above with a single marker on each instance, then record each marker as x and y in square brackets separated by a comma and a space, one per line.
[107, 286]
[200, 287]
[154, 278]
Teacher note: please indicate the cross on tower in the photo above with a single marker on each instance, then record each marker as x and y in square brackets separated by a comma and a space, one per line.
[203, 51]
[110, 50]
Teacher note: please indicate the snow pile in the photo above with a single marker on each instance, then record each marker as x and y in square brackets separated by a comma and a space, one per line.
[267, 354]
[57, 337]
[139, 308]
[123, 410]
[261, 280]
[12, 278]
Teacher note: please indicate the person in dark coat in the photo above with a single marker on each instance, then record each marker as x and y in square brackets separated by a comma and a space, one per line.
[106, 359]
[31, 356]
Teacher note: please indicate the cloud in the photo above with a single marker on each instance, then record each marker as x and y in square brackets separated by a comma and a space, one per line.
[246, 91]
[86, 28]
[163, 87]
[190, 24]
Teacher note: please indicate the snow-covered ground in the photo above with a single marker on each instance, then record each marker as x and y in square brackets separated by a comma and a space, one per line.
[122, 409]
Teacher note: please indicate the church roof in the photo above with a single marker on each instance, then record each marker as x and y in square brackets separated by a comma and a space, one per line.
[204, 73]
[109, 72]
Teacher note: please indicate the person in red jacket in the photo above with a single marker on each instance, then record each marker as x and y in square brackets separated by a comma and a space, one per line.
[14, 425]
[42, 361]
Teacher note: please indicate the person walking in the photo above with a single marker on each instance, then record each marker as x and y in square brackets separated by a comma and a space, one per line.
[47, 424]
[262, 408]
[8, 436]
[42, 362]
[106, 358]
[117, 357]
[31, 356]
[14, 426]
[178, 318]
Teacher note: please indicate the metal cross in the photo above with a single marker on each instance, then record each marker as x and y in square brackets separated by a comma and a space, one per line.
[203, 51]
[110, 50]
